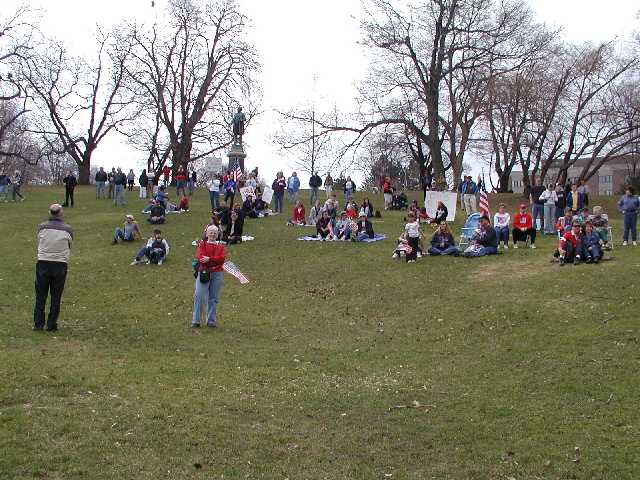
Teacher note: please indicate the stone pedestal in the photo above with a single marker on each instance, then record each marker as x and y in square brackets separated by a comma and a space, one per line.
[236, 153]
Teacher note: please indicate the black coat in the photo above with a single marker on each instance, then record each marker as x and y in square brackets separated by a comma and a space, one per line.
[236, 231]
[70, 182]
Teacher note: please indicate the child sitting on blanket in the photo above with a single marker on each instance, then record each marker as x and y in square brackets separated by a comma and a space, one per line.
[351, 210]
[298, 214]
[402, 248]
[324, 228]
[342, 229]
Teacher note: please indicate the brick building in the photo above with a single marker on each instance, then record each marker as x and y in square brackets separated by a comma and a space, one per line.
[611, 179]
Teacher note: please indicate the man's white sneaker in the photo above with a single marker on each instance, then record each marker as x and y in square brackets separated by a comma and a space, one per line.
[395, 255]
[506, 247]
[624, 244]
[135, 262]
[533, 246]
[515, 245]
[635, 244]
[418, 254]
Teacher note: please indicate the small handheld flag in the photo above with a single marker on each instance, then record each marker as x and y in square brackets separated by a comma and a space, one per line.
[231, 268]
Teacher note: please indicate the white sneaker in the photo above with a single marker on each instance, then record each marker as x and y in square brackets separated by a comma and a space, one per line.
[136, 262]
[505, 246]
[515, 245]
[635, 244]
[624, 244]
[533, 246]
[160, 261]
[419, 255]
[395, 255]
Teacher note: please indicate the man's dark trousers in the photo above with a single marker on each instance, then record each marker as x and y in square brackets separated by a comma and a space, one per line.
[50, 277]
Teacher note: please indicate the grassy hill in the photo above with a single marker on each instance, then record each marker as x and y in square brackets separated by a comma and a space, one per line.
[510, 367]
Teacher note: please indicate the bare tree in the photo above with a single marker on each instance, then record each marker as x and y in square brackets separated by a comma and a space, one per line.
[191, 74]
[78, 102]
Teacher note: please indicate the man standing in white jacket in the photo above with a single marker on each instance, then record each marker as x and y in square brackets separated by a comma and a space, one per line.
[550, 198]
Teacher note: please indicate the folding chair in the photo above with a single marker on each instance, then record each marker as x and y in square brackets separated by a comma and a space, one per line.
[471, 224]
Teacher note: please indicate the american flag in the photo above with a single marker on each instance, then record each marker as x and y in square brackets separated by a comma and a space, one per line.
[231, 268]
[484, 203]
[236, 171]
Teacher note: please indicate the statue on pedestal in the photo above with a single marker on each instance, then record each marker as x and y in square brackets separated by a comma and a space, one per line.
[238, 126]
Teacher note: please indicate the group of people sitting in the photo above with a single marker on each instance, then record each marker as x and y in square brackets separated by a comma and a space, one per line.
[160, 205]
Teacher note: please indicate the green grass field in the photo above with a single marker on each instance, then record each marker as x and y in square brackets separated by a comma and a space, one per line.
[512, 367]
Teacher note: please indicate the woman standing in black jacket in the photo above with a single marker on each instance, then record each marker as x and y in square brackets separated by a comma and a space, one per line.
[143, 180]
[70, 183]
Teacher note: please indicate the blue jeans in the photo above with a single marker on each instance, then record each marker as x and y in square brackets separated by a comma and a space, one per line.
[100, 190]
[118, 195]
[549, 219]
[537, 211]
[120, 233]
[293, 196]
[503, 234]
[148, 252]
[630, 225]
[279, 197]
[348, 194]
[214, 198]
[313, 195]
[362, 236]
[180, 185]
[447, 251]
[207, 292]
[594, 251]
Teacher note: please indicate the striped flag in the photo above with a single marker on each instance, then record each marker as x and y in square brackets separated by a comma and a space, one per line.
[236, 171]
[484, 203]
[231, 268]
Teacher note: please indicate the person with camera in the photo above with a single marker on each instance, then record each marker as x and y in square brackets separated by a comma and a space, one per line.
[210, 256]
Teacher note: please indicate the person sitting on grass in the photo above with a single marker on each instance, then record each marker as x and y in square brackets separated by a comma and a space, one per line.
[260, 206]
[484, 241]
[581, 216]
[324, 228]
[423, 216]
[210, 257]
[331, 206]
[315, 213]
[523, 229]
[129, 232]
[442, 242]
[298, 214]
[563, 225]
[441, 214]
[183, 204]
[233, 229]
[501, 221]
[352, 213]
[367, 207]
[600, 226]
[342, 228]
[248, 207]
[570, 245]
[156, 214]
[364, 229]
[592, 244]
[156, 250]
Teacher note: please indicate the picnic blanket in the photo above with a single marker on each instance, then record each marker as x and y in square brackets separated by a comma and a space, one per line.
[309, 238]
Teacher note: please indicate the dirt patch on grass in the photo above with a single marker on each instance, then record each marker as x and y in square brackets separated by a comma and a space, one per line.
[320, 292]
[501, 271]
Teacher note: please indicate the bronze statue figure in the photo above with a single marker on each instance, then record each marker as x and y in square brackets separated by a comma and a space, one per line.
[238, 126]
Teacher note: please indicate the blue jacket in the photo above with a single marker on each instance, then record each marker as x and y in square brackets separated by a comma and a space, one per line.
[293, 184]
[581, 199]
[629, 205]
[469, 188]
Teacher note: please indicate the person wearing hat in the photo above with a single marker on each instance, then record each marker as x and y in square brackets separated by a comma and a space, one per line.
[468, 189]
[364, 228]
[210, 257]
[54, 249]
[523, 227]
[129, 232]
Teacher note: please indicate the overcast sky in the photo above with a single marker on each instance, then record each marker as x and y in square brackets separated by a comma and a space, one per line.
[297, 40]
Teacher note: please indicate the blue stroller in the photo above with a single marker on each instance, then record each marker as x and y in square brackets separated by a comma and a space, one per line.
[466, 232]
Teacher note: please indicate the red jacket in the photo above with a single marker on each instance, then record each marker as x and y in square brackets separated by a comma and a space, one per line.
[298, 214]
[180, 176]
[166, 171]
[351, 213]
[568, 237]
[522, 220]
[386, 187]
[215, 252]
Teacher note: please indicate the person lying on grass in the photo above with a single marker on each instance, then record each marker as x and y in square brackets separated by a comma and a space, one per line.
[129, 232]
[324, 228]
[364, 229]
[156, 250]
[297, 214]
[600, 226]
[210, 257]
[523, 228]
[442, 242]
[484, 241]
[563, 225]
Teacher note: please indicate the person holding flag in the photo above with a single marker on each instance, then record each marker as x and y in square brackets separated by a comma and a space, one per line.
[210, 257]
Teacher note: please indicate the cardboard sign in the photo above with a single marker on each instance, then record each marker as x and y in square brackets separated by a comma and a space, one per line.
[450, 199]
[267, 194]
[244, 191]
[214, 164]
